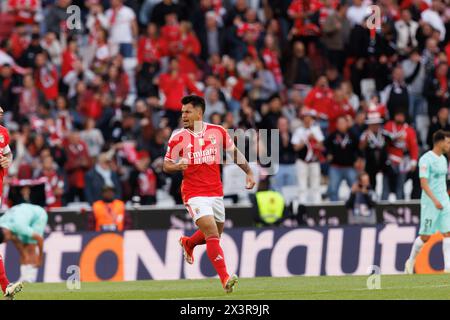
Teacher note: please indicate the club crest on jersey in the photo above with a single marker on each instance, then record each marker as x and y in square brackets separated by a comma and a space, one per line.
[212, 139]
[2, 138]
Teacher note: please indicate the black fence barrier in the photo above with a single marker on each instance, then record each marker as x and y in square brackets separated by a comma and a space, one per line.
[150, 217]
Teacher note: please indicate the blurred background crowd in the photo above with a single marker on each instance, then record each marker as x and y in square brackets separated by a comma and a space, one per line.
[91, 96]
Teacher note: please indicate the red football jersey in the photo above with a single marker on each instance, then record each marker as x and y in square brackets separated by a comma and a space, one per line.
[204, 151]
[4, 149]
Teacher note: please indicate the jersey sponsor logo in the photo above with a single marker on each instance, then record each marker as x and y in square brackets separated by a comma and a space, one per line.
[2, 138]
[423, 168]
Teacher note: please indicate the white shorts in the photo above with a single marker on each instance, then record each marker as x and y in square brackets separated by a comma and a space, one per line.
[206, 206]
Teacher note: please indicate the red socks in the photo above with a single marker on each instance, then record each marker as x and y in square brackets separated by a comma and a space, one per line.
[215, 255]
[197, 238]
[3, 279]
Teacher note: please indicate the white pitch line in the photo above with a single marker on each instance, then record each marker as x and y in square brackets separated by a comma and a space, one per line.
[313, 292]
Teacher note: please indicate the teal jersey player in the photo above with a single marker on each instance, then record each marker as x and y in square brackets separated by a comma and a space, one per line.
[434, 169]
[24, 225]
[434, 202]
[24, 220]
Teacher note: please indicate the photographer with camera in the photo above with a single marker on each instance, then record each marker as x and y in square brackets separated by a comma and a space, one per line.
[362, 202]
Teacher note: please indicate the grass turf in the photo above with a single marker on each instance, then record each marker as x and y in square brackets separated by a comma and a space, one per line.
[310, 288]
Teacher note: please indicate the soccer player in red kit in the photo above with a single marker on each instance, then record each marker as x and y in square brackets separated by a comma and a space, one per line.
[9, 289]
[197, 151]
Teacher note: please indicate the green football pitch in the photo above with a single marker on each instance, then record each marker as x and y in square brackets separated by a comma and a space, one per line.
[310, 288]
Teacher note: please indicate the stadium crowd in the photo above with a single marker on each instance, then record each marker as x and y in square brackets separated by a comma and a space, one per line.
[91, 99]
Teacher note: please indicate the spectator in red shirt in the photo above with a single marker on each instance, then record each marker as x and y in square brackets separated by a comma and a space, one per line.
[190, 50]
[143, 179]
[19, 41]
[69, 57]
[149, 47]
[402, 154]
[54, 181]
[117, 85]
[78, 163]
[320, 99]
[46, 77]
[301, 12]
[271, 57]
[171, 35]
[340, 108]
[174, 86]
[30, 97]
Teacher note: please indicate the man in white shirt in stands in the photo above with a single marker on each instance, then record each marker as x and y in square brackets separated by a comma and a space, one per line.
[308, 142]
[123, 28]
[357, 12]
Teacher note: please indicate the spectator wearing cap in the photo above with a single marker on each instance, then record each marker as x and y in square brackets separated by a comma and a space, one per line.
[307, 141]
[440, 123]
[372, 144]
[109, 211]
[143, 179]
[287, 157]
[99, 176]
[342, 153]
[402, 154]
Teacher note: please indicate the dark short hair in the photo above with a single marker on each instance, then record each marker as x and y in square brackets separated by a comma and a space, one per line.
[196, 101]
[2, 236]
[440, 135]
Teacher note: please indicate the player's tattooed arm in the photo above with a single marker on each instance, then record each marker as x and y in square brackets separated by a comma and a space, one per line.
[172, 166]
[6, 160]
[240, 160]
